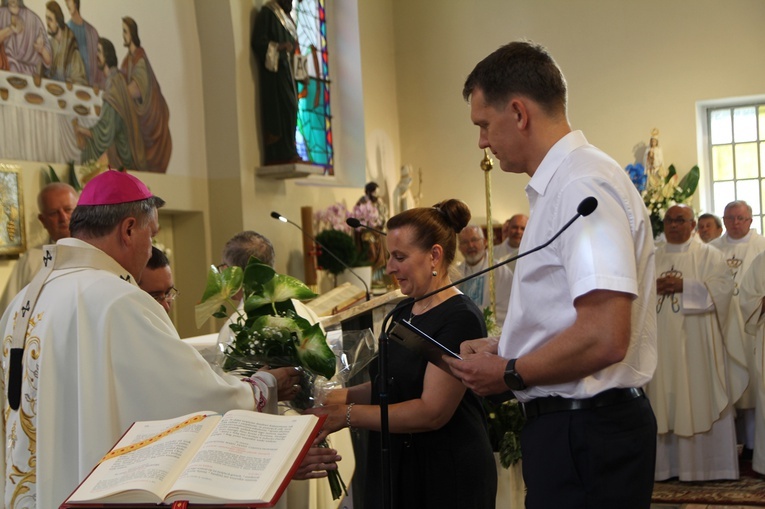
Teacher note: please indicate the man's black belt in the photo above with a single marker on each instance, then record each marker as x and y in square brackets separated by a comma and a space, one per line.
[541, 406]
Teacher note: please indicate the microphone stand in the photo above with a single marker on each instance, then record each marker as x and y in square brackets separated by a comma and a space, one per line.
[283, 219]
[585, 208]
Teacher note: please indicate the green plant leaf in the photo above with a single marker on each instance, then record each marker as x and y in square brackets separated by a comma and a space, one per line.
[670, 173]
[314, 353]
[220, 287]
[689, 183]
[283, 287]
[342, 245]
[52, 175]
[73, 181]
[256, 274]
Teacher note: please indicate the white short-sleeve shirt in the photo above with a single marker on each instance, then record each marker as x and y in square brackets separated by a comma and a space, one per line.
[611, 249]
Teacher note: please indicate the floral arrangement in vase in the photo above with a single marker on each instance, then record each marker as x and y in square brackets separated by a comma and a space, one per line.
[661, 190]
[340, 239]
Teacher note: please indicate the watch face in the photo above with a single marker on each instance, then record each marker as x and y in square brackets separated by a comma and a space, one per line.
[512, 381]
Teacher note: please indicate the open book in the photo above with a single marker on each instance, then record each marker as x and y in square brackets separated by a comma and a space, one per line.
[337, 299]
[241, 458]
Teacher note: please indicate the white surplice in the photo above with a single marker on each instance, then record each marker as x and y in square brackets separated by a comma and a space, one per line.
[739, 254]
[100, 354]
[752, 291]
[691, 389]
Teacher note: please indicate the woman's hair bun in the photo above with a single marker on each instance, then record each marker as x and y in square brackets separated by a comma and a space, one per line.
[456, 212]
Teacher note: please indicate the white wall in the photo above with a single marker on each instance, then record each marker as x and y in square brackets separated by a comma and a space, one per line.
[631, 66]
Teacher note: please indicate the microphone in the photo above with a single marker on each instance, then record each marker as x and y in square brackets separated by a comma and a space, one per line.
[355, 223]
[283, 219]
[585, 208]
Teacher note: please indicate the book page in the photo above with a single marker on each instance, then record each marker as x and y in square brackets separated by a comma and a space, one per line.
[338, 298]
[150, 469]
[245, 458]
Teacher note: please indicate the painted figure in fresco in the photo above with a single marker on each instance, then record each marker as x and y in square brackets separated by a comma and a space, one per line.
[117, 132]
[66, 62]
[87, 41]
[22, 33]
[274, 42]
[150, 104]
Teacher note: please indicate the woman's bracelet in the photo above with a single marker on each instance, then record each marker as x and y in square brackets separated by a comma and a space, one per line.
[348, 415]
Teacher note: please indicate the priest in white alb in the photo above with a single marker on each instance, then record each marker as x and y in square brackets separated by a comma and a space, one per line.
[87, 352]
[691, 392]
[752, 301]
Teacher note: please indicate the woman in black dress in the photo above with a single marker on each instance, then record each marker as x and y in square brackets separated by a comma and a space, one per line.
[440, 451]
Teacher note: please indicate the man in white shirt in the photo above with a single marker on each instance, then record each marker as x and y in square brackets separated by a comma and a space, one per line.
[56, 201]
[693, 389]
[580, 337]
[472, 245]
[740, 245]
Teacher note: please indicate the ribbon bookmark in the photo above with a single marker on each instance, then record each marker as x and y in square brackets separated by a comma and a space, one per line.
[143, 443]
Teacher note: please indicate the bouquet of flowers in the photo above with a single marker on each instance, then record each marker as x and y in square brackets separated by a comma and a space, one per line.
[661, 190]
[270, 332]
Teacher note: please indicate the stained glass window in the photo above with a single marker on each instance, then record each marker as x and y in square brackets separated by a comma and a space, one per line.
[314, 123]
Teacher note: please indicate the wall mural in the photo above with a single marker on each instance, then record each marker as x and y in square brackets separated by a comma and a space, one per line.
[68, 94]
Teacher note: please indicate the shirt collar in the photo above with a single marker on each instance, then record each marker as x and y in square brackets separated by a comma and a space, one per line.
[553, 159]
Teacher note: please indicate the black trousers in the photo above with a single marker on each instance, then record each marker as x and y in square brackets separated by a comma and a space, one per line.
[599, 458]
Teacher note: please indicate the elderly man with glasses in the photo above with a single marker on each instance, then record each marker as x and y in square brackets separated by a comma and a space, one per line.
[696, 380]
[740, 244]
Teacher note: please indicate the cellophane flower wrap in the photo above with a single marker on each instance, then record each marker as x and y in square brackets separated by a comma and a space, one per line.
[269, 332]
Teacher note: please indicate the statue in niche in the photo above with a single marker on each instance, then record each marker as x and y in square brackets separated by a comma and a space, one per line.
[274, 42]
[403, 199]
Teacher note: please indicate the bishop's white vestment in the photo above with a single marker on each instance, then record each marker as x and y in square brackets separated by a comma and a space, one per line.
[100, 353]
[25, 269]
[691, 391]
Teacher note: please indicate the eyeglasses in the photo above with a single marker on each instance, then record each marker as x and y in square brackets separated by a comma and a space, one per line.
[740, 219]
[676, 220]
[168, 296]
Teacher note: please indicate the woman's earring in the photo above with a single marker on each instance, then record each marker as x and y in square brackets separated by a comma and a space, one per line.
[435, 273]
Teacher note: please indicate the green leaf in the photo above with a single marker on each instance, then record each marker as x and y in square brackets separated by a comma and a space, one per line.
[220, 287]
[283, 287]
[314, 353]
[73, 177]
[52, 174]
[256, 274]
[670, 173]
[689, 183]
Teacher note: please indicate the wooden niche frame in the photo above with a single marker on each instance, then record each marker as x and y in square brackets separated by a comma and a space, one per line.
[12, 236]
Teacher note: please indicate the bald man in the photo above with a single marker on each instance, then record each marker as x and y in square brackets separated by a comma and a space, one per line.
[56, 201]
[512, 233]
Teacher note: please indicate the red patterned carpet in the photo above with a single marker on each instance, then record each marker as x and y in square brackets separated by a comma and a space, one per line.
[749, 490]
